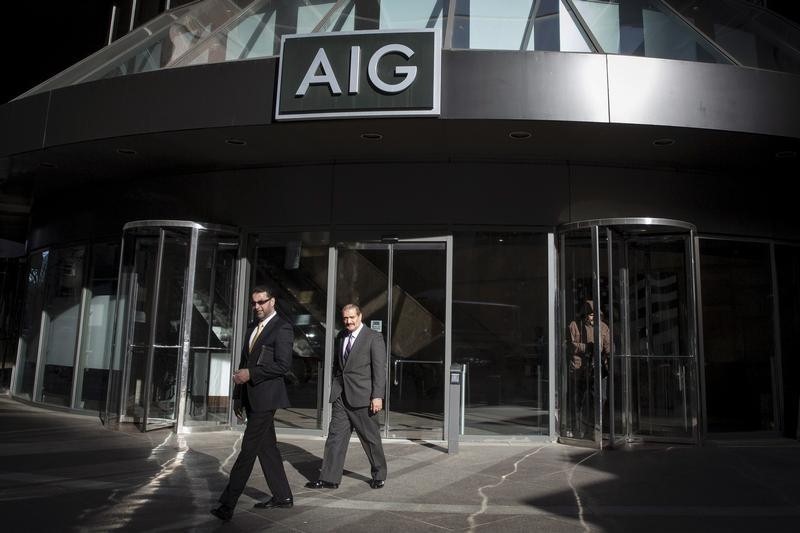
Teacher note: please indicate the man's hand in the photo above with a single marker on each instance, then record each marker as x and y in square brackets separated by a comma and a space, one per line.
[375, 405]
[237, 409]
[241, 376]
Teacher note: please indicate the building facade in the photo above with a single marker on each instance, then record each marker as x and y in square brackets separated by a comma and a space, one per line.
[469, 174]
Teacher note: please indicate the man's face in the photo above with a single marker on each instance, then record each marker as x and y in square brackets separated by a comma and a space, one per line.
[263, 304]
[590, 318]
[351, 319]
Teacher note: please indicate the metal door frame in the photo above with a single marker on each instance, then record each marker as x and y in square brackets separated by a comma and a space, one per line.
[388, 245]
[690, 262]
[184, 334]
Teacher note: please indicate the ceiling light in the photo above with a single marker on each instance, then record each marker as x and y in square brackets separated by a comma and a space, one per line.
[236, 142]
[664, 141]
[519, 135]
[47, 164]
[371, 136]
[126, 151]
[786, 154]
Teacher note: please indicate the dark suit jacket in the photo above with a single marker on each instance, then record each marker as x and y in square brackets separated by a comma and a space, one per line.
[363, 376]
[269, 361]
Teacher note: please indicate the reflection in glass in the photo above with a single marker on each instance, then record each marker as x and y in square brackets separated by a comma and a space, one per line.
[517, 25]
[645, 28]
[499, 331]
[298, 271]
[30, 324]
[209, 373]
[578, 383]
[60, 323]
[95, 357]
[754, 36]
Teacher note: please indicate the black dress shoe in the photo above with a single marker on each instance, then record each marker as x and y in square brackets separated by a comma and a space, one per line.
[377, 483]
[223, 512]
[320, 484]
[284, 503]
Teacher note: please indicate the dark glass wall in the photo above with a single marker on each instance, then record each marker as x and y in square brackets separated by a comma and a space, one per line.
[500, 325]
[787, 263]
[738, 335]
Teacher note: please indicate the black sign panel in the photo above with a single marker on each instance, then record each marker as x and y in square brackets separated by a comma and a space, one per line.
[358, 74]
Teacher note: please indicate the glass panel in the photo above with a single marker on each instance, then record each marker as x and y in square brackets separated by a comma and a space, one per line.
[169, 316]
[257, 31]
[577, 371]
[417, 355]
[787, 264]
[145, 256]
[499, 331]
[662, 392]
[738, 333]
[645, 28]
[30, 324]
[298, 270]
[95, 360]
[11, 288]
[151, 46]
[754, 36]
[362, 278]
[386, 15]
[212, 324]
[662, 362]
[517, 25]
[60, 323]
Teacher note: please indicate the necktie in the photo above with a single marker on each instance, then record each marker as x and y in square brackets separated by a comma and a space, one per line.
[348, 347]
[255, 336]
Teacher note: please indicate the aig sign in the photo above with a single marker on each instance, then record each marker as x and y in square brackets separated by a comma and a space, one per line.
[359, 74]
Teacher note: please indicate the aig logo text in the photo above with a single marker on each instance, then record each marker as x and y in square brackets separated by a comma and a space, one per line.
[359, 74]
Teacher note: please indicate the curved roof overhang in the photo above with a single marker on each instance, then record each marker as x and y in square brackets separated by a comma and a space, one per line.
[581, 108]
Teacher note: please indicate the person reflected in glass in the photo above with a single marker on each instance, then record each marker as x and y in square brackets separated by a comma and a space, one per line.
[580, 393]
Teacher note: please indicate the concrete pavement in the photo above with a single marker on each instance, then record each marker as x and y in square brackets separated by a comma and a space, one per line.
[66, 472]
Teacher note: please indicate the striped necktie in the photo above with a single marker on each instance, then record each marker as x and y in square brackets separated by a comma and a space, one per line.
[348, 347]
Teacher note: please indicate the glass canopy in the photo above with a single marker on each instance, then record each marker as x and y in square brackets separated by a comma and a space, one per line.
[211, 31]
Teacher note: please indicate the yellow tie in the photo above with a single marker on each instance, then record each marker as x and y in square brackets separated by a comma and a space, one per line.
[255, 337]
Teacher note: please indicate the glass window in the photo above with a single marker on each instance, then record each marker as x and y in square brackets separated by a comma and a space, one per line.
[500, 315]
[517, 25]
[645, 28]
[11, 278]
[60, 319]
[737, 311]
[754, 36]
[95, 360]
[787, 265]
[30, 324]
[257, 31]
[298, 272]
[209, 386]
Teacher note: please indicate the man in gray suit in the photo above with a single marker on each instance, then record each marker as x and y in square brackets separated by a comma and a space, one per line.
[260, 390]
[357, 392]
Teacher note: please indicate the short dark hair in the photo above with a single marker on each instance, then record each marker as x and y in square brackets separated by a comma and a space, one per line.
[263, 288]
[355, 307]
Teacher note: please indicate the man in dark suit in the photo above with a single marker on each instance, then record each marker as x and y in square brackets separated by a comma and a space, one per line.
[357, 392]
[260, 390]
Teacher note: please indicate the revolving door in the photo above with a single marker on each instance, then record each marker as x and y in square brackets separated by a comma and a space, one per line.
[627, 310]
[174, 326]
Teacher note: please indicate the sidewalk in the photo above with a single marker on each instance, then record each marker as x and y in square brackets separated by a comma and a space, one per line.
[65, 472]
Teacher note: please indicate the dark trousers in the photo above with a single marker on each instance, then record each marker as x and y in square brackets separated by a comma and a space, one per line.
[258, 441]
[344, 419]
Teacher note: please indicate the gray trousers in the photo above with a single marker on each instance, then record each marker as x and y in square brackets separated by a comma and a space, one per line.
[344, 419]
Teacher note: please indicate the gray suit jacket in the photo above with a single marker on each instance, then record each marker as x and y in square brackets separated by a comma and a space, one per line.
[363, 376]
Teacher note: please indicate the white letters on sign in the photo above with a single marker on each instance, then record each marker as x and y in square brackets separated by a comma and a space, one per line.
[326, 76]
